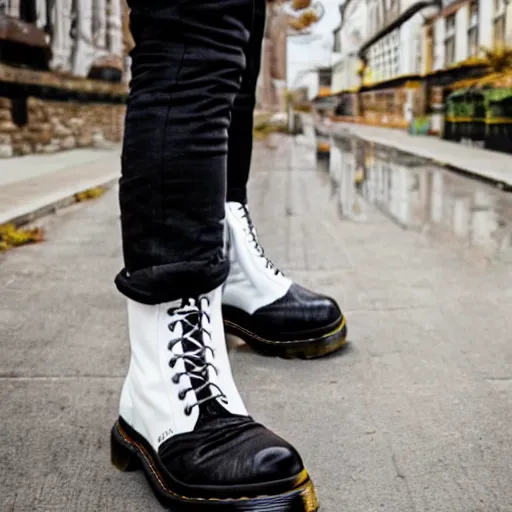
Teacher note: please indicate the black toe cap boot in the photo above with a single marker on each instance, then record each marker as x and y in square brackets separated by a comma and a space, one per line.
[266, 309]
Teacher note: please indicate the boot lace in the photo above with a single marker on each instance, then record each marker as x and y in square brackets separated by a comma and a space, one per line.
[192, 316]
[255, 242]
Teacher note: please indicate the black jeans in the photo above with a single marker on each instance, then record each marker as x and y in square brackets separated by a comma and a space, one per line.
[188, 141]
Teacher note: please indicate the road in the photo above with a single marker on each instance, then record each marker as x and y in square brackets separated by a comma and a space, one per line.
[415, 416]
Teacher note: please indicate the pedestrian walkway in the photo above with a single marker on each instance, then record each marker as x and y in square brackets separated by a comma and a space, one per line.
[415, 416]
[490, 165]
[32, 184]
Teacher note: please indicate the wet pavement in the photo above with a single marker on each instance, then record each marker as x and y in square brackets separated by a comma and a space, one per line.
[458, 212]
[483, 163]
[415, 416]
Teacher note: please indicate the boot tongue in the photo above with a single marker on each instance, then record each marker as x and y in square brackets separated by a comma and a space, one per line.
[245, 217]
[198, 378]
[211, 409]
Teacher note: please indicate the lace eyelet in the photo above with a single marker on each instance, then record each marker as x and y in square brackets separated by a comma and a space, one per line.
[181, 395]
[188, 410]
[172, 362]
[176, 379]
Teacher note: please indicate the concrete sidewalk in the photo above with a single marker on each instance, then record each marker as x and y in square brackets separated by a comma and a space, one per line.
[487, 164]
[414, 417]
[33, 185]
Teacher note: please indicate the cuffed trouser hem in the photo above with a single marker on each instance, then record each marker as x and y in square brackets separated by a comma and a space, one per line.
[166, 283]
[237, 195]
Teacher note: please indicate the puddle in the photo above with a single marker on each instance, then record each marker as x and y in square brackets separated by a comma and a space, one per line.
[419, 196]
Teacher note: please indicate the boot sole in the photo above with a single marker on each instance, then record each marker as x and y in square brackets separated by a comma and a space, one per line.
[300, 349]
[129, 455]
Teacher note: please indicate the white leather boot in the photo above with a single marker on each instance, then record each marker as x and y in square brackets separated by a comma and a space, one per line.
[266, 309]
[183, 422]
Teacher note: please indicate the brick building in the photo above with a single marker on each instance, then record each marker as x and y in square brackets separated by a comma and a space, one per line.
[62, 74]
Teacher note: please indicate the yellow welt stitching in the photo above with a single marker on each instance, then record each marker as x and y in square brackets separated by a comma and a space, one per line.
[302, 477]
[269, 342]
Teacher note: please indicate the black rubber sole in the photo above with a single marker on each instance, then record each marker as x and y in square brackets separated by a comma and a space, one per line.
[129, 455]
[301, 349]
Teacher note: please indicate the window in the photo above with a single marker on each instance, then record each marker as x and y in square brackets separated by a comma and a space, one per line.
[449, 42]
[450, 24]
[473, 41]
[337, 41]
[499, 23]
[325, 75]
[473, 28]
[429, 54]
[499, 30]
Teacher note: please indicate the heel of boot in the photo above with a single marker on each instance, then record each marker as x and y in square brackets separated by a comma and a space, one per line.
[122, 454]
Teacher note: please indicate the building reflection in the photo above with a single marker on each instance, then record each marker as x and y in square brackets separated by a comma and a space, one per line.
[347, 177]
[418, 196]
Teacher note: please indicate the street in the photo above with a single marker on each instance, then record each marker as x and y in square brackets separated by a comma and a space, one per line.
[414, 416]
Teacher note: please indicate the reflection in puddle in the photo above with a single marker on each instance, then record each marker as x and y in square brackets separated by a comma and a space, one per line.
[419, 195]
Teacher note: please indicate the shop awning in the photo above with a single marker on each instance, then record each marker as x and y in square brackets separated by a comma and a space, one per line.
[447, 76]
[492, 80]
[391, 83]
[496, 80]
[464, 83]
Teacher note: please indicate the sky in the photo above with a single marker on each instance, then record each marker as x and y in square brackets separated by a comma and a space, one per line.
[317, 52]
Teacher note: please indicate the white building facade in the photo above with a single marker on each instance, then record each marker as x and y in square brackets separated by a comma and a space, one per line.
[396, 54]
[399, 52]
[463, 29]
[460, 31]
[348, 39]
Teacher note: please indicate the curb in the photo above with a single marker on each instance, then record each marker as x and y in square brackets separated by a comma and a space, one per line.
[480, 176]
[51, 203]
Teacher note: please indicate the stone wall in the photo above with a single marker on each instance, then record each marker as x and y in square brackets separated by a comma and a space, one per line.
[56, 126]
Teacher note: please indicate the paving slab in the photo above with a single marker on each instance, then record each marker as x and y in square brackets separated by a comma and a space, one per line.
[31, 186]
[415, 416]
